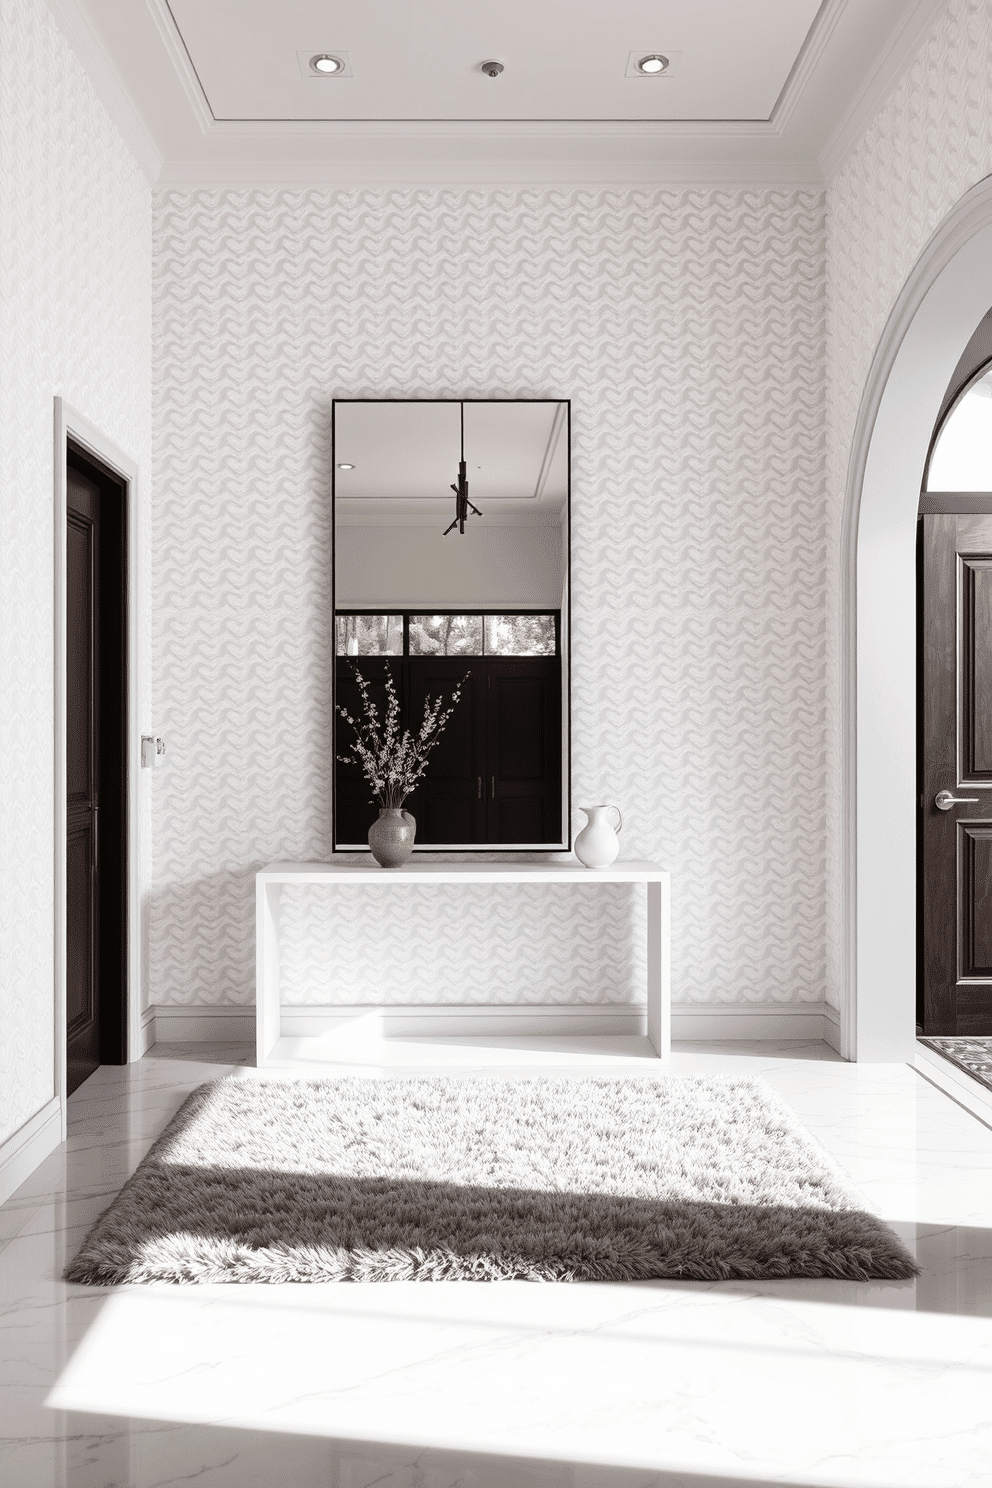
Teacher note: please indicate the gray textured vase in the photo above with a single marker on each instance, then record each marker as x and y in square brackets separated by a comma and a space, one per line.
[391, 838]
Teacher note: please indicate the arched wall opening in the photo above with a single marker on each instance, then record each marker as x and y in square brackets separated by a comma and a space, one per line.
[946, 295]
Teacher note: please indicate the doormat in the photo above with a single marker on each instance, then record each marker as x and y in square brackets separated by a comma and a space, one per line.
[442, 1179]
[973, 1055]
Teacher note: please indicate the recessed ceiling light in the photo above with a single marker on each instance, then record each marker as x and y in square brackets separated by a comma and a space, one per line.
[345, 467]
[652, 64]
[326, 64]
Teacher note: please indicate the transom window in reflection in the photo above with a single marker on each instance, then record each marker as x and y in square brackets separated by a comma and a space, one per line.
[448, 634]
[370, 635]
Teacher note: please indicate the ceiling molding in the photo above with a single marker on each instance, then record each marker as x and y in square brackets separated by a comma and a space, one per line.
[811, 53]
[785, 151]
[904, 42]
[165, 25]
[108, 85]
[543, 174]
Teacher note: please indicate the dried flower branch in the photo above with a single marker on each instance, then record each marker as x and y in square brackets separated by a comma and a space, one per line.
[394, 763]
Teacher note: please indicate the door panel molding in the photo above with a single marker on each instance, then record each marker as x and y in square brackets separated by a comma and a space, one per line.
[70, 424]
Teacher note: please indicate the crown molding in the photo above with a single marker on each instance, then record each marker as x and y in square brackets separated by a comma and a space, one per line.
[175, 47]
[823, 27]
[539, 174]
[904, 42]
[75, 26]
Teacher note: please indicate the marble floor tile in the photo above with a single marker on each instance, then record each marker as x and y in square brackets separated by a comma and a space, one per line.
[511, 1385]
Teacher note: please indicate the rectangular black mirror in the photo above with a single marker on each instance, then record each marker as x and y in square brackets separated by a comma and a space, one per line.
[451, 555]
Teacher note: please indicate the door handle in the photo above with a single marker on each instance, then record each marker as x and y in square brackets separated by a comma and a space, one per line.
[943, 800]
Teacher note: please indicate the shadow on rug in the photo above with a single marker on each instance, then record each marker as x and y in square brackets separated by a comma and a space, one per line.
[452, 1179]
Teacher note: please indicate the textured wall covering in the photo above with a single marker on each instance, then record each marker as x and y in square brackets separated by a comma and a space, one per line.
[508, 944]
[75, 255]
[687, 327]
[930, 142]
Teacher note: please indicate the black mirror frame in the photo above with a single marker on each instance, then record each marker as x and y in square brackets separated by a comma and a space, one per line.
[564, 643]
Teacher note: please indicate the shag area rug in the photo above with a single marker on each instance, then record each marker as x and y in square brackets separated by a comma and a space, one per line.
[973, 1055]
[439, 1179]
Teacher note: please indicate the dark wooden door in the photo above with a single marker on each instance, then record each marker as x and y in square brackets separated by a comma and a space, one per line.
[82, 778]
[451, 803]
[956, 774]
[96, 768]
[524, 749]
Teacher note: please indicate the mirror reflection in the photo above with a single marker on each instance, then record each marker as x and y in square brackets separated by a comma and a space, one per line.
[451, 556]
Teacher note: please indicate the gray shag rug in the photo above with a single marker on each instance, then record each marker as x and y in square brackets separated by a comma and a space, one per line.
[440, 1179]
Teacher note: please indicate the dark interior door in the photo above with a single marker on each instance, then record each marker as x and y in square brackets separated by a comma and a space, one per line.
[956, 774]
[451, 803]
[96, 792]
[82, 777]
[524, 749]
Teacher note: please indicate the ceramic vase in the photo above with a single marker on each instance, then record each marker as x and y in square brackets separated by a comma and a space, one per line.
[391, 838]
[597, 844]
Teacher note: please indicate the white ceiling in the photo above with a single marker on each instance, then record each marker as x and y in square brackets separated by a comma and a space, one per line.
[404, 458]
[218, 91]
[563, 59]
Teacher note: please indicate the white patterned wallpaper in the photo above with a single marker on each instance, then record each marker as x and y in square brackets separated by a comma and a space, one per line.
[930, 142]
[498, 944]
[688, 329]
[75, 319]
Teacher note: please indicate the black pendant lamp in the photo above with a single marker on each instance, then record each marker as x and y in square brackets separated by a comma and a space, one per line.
[462, 504]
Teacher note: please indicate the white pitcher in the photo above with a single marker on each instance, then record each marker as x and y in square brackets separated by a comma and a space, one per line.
[597, 845]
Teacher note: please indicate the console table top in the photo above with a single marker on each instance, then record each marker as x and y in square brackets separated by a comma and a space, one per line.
[476, 870]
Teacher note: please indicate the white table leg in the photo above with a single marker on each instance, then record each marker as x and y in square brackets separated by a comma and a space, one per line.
[267, 1004]
[659, 972]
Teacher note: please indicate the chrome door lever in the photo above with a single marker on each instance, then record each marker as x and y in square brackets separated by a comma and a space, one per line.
[943, 800]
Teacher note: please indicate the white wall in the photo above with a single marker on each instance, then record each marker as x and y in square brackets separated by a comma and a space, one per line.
[75, 253]
[484, 566]
[687, 327]
[929, 143]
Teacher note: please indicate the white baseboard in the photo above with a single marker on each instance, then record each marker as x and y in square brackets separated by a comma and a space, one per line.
[168, 1025]
[25, 1148]
[146, 1031]
[451, 1021]
[193, 1025]
[831, 1026]
[809, 1020]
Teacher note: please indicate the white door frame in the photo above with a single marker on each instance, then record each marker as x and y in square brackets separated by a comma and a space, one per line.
[945, 296]
[72, 425]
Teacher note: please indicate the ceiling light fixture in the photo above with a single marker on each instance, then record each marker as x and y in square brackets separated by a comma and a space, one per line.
[326, 64]
[462, 504]
[653, 64]
[491, 69]
[344, 466]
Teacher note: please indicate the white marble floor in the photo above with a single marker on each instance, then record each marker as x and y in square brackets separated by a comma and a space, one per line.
[512, 1385]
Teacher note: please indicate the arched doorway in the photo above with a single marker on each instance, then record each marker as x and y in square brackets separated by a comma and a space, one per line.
[944, 298]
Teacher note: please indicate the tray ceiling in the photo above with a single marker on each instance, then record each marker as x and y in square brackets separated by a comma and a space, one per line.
[563, 59]
[220, 92]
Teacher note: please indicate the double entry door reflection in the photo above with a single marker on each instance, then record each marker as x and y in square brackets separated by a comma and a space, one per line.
[495, 776]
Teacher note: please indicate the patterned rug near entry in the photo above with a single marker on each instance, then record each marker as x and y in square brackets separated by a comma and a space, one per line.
[437, 1179]
[973, 1055]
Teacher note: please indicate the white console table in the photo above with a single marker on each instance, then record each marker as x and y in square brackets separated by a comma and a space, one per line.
[272, 1049]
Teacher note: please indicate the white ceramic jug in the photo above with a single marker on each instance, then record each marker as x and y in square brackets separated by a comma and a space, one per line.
[596, 845]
